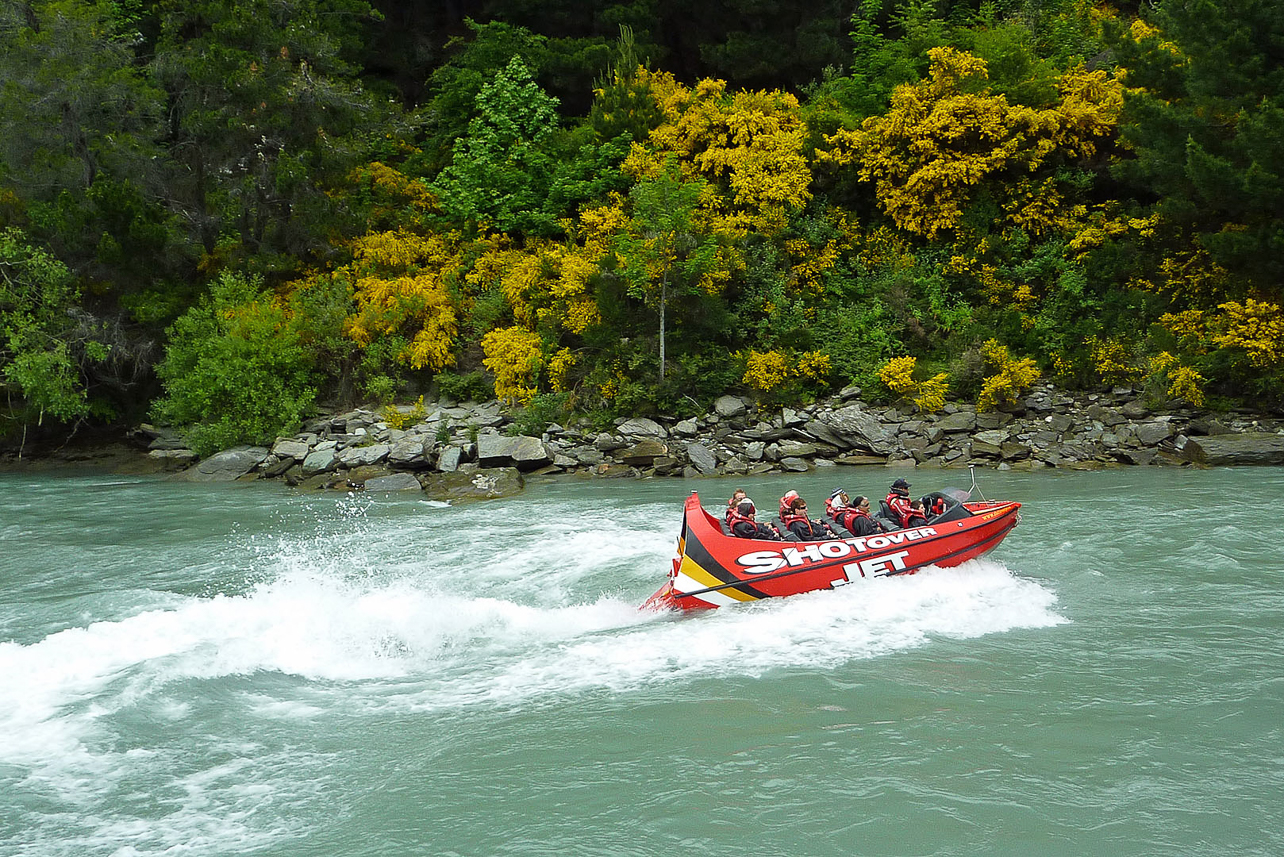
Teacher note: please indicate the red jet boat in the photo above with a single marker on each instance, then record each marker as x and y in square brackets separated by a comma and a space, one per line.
[714, 569]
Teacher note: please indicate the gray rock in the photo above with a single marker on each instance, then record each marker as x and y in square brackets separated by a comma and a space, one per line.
[564, 461]
[730, 406]
[1207, 426]
[228, 465]
[754, 451]
[1058, 423]
[410, 452]
[859, 429]
[523, 452]
[981, 449]
[319, 460]
[1136, 456]
[993, 436]
[956, 422]
[794, 465]
[702, 458]
[1108, 417]
[1248, 448]
[642, 426]
[587, 455]
[644, 453]
[686, 428]
[1154, 432]
[609, 443]
[363, 456]
[993, 419]
[393, 482]
[797, 449]
[449, 460]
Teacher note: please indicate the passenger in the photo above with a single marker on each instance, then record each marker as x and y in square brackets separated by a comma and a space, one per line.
[800, 525]
[785, 501]
[836, 503]
[917, 515]
[898, 500]
[744, 526]
[937, 506]
[736, 496]
[857, 520]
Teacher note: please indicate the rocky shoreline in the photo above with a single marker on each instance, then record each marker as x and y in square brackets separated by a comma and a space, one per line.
[462, 452]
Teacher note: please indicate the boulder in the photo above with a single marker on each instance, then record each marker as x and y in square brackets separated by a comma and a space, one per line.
[642, 426]
[448, 461]
[859, 429]
[228, 465]
[956, 422]
[523, 452]
[794, 465]
[363, 456]
[319, 460]
[289, 448]
[393, 482]
[644, 453]
[730, 406]
[686, 428]
[702, 458]
[172, 459]
[1154, 432]
[486, 484]
[1256, 447]
[411, 451]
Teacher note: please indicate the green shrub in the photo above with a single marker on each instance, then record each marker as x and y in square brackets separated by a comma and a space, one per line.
[473, 387]
[234, 371]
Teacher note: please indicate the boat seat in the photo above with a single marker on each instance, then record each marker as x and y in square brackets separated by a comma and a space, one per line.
[839, 530]
[888, 516]
[785, 533]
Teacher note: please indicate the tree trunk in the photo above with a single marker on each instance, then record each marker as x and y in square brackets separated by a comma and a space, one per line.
[664, 288]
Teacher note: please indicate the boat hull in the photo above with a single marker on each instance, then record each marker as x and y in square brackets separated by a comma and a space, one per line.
[713, 569]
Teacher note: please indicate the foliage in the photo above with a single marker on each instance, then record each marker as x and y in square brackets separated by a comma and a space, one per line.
[927, 395]
[399, 418]
[515, 357]
[540, 412]
[501, 169]
[236, 371]
[470, 387]
[943, 136]
[1008, 378]
[43, 347]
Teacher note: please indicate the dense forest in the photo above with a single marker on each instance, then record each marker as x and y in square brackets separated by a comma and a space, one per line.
[224, 214]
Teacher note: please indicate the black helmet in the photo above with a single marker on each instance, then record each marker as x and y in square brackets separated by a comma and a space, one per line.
[901, 483]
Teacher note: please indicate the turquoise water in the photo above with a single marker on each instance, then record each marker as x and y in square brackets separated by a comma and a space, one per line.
[241, 669]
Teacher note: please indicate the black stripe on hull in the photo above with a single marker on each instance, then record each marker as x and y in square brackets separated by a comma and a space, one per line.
[700, 555]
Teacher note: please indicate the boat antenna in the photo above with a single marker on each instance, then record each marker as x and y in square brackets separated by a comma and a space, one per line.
[971, 469]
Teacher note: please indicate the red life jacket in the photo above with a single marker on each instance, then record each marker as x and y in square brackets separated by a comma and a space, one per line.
[900, 506]
[849, 516]
[734, 517]
[788, 519]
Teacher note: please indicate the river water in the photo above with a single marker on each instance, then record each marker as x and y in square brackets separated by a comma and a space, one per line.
[242, 669]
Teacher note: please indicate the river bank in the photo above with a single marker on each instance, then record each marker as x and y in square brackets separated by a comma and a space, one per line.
[465, 451]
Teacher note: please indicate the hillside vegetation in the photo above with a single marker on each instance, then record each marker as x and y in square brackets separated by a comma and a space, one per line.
[219, 214]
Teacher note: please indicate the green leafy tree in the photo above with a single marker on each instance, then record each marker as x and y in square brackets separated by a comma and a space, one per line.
[502, 170]
[44, 346]
[236, 370]
[665, 252]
